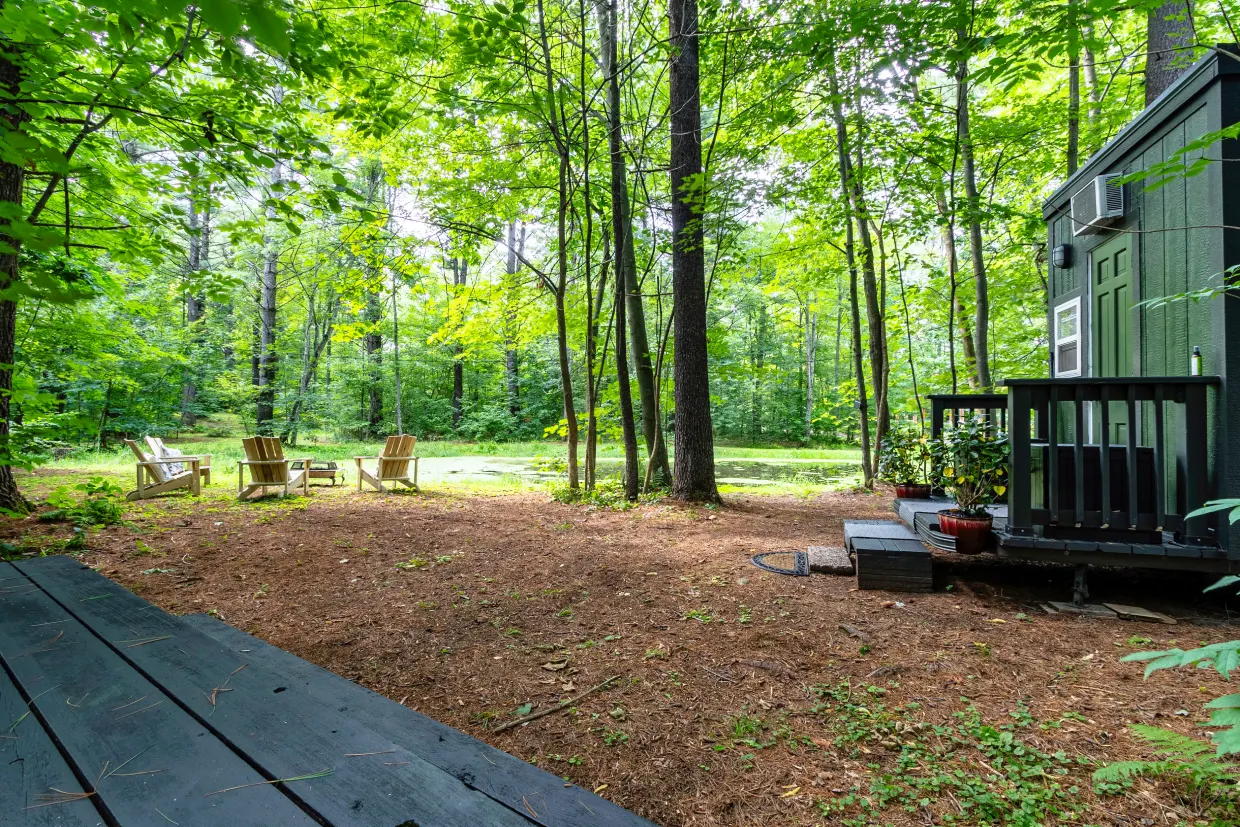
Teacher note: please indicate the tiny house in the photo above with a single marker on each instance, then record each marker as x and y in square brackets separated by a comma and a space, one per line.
[1139, 422]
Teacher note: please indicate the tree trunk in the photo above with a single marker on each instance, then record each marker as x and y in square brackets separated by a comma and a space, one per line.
[1090, 67]
[315, 342]
[372, 343]
[511, 269]
[12, 181]
[396, 389]
[981, 324]
[1169, 41]
[811, 353]
[694, 477]
[460, 276]
[873, 309]
[194, 303]
[561, 283]
[863, 405]
[957, 324]
[268, 303]
[372, 340]
[1074, 96]
[626, 258]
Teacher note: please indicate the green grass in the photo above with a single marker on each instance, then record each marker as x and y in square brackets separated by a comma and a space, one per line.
[117, 464]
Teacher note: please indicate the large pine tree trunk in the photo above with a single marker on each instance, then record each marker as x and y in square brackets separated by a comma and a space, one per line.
[12, 181]
[981, 322]
[1169, 42]
[694, 477]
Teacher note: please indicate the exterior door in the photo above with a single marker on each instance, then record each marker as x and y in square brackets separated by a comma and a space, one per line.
[1112, 322]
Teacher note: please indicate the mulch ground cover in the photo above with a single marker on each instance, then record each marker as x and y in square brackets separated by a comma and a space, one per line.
[741, 697]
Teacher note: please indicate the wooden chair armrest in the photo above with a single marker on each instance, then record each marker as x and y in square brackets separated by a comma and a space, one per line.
[265, 461]
[300, 459]
[206, 459]
[366, 458]
[170, 460]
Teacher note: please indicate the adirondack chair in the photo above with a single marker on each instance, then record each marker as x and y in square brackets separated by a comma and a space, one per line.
[393, 464]
[269, 468]
[159, 475]
[161, 451]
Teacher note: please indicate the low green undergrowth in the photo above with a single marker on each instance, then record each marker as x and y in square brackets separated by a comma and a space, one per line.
[964, 772]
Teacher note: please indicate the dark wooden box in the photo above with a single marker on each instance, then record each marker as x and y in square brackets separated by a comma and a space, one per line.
[894, 565]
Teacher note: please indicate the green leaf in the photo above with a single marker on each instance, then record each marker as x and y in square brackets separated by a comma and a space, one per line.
[1223, 583]
[269, 29]
[1225, 702]
[222, 15]
[1228, 741]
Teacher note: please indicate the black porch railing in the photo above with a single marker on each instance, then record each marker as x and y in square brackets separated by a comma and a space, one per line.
[1145, 468]
[949, 406]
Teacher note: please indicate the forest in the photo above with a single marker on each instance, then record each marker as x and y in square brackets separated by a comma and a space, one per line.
[578, 221]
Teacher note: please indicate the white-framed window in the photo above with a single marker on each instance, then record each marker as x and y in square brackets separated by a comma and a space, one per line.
[1067, 332]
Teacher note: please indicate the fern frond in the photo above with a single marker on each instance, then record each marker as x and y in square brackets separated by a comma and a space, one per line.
[1170, 743]
[1127, 770]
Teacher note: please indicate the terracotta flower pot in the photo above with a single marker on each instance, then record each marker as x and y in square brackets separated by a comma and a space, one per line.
[912, 491]
[970, 532]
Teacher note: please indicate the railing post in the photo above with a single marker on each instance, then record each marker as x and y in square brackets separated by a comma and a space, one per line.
[1196, 458]
[1052, 454]
[1104, 453]
[1020, 488]
[1134, 483]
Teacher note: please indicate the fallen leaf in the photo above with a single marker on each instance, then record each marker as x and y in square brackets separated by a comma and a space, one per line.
[996, 620]
[555, 666]
[599, 788]
[790, 793]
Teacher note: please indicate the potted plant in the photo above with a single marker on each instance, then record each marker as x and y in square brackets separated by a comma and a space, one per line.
[904, 461]
[972, 458]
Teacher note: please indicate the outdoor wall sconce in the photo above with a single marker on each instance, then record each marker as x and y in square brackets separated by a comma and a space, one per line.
[1061, 256]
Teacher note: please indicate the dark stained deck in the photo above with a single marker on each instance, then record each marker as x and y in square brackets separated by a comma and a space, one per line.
[114, 712]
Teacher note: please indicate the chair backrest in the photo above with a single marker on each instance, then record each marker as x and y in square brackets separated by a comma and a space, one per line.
[157, 471]
[161, 451]
[396, 446]
[266, 449]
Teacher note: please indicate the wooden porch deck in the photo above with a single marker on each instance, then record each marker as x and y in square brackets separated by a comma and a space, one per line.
[114, 712]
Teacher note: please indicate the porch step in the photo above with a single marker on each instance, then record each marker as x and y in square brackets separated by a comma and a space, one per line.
[893, 564]
[882, 529]
[909, 509]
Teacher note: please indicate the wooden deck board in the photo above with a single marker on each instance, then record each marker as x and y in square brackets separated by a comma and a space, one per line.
[270, 718]
[481, 766]
[104, 714]
[30, 766]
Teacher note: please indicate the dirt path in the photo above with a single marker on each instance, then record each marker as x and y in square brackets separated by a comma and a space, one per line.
[745, 698]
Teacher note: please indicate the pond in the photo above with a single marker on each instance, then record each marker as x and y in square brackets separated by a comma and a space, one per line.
[756, 471]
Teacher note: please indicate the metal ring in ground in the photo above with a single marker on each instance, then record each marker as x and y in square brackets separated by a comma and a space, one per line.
[799, 562]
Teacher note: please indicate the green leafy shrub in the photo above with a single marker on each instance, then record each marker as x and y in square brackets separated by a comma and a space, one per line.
[1205, 768]
[102, 505]
[904, 457]
[972, 462]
